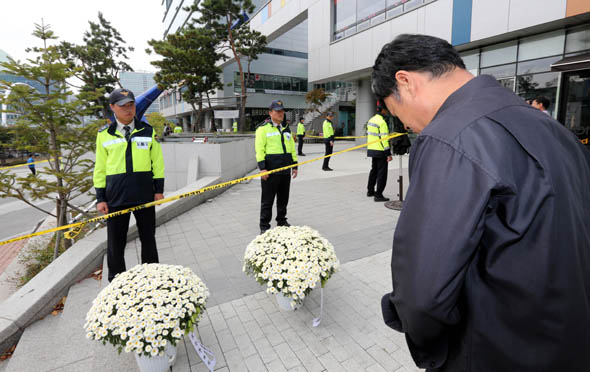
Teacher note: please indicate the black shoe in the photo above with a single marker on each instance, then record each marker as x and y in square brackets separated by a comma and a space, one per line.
[262, 231]
[370, 193]
[286, 224]
[301, 155]
[327, 169]
[381, 198]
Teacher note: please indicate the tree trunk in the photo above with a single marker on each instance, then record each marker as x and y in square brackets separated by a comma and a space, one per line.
[213, 128]
[242, 80]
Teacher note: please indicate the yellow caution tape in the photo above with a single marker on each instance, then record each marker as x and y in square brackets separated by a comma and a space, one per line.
[75, 228]
[345, 137]
[25, 164]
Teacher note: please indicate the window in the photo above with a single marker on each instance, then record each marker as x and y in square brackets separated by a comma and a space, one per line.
[344, 14]
[471, 60]
[499, 54]
[260, 83]
[367, 9]
[537, 65]
[352, 16]
[501, 71]
[578, 39]
[539, 46]
[534, 85]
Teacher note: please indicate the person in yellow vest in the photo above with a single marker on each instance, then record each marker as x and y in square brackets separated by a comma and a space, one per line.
[235, 126]
[379, 152]
[275, 148]
[178, 128]
[328, 131]
[300, 136]
[129, 171]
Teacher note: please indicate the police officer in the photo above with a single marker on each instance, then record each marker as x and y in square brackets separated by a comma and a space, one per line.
[178, 129]
[328, 130]
[129, 171]
[300, 136]
[275, 148]
[235, 126]
[379, 152]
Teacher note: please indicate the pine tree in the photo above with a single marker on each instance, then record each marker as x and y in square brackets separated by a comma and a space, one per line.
[51, 124]
[100, 59]
[226, 19]
[189, 59]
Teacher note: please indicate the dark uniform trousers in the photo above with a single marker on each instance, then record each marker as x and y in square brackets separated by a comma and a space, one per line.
[329, 149]
[299, 145]
[276, 184]
[378, 175]
[117, 228]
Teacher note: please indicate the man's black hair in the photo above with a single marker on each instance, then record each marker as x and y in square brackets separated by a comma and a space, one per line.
[407, 52]
[543, 101]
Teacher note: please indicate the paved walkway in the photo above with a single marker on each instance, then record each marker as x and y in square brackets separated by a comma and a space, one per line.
[243, 325]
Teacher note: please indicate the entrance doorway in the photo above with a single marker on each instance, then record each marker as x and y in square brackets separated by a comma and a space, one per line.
[574, 111]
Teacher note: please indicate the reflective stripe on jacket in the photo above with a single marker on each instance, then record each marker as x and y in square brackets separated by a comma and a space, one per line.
[275, 147]
[128, 173]
[377, 128]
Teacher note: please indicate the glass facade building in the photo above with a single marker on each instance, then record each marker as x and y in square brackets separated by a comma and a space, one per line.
[525, 66]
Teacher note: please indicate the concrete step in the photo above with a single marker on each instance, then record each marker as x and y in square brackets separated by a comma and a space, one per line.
[58, 343]
[37, 347]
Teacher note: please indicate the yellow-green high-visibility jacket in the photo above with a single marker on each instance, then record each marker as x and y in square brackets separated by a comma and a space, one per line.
[178, 129]
[275, 147]
[128, 173]
[300, 129]
[328, 131]
[377, 128]
[235, 126]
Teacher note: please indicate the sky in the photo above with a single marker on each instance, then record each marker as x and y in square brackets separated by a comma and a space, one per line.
[136, 20]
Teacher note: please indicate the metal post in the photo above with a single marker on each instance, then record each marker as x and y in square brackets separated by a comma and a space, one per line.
[398, 204]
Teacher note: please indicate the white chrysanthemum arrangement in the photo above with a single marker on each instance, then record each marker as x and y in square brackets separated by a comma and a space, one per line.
[291, 260]
[146, 308]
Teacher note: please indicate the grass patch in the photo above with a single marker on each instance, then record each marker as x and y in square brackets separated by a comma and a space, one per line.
[40, 256]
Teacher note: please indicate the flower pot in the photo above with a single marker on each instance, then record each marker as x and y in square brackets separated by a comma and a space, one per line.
[285, 302]
[157, 363]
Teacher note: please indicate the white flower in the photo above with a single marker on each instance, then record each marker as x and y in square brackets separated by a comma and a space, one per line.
[144, 304]
[290, 259]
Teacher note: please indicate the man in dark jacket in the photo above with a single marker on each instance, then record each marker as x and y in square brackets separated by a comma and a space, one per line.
[491, 254]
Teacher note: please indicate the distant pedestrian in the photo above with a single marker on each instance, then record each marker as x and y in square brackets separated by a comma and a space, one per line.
[300, 136]
[328, 131]
[177, 129]
[235, 126]
[491, 253]
[542, 103]
[129, 171]
[167, 130]
[275, 148]
[31, 162]
[379, 152]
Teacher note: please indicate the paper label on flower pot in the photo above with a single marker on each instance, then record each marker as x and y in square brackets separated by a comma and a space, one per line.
[318, 320]
[205, 354]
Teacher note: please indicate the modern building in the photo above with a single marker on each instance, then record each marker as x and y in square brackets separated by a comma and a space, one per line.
[8, 118]
[138, 82]
[532, 47]
[280, 73]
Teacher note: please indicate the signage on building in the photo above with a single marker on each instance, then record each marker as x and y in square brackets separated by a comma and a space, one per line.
[226, 114]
